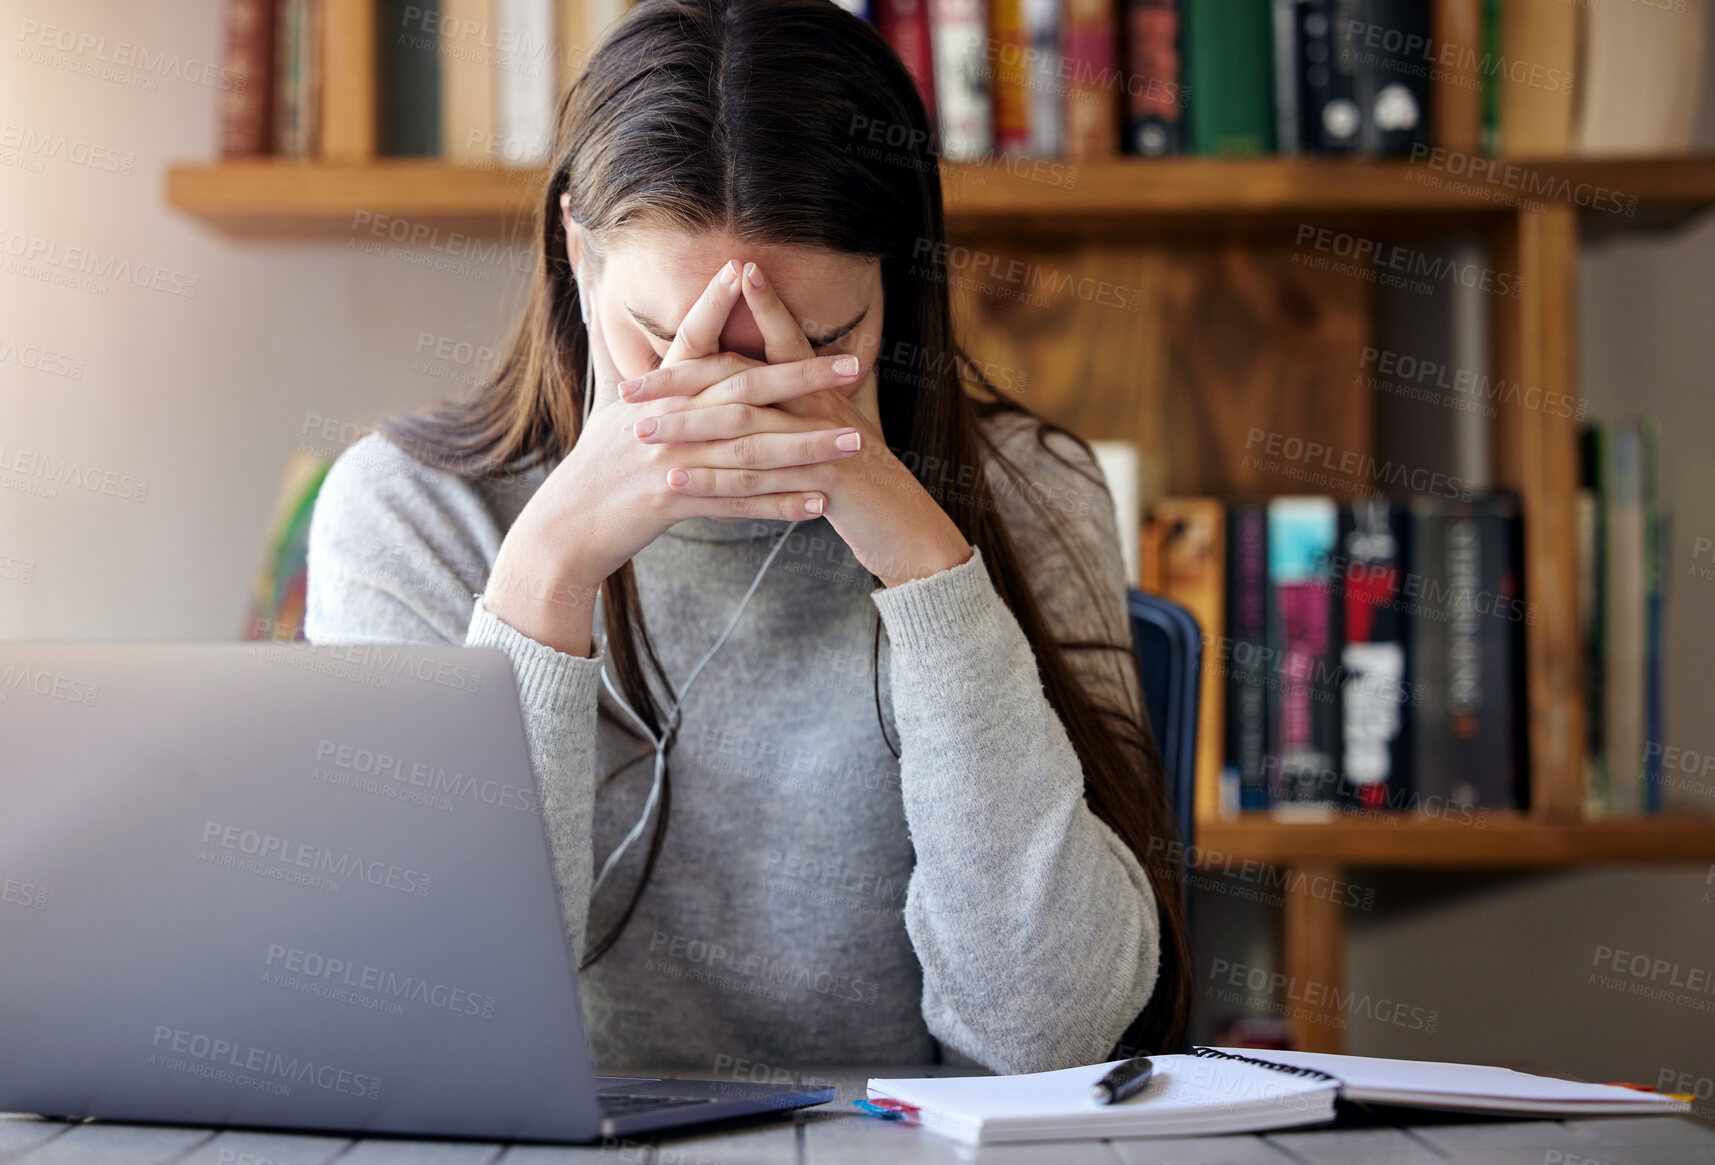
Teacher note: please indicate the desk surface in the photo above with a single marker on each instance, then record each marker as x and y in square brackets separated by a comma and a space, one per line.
[837, 1134]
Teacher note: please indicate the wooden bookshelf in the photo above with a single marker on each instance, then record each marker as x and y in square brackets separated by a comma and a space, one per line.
[288, 196]
[1179, 227]
[1499, 841]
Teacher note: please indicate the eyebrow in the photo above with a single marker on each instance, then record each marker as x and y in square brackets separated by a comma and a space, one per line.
[822, 341]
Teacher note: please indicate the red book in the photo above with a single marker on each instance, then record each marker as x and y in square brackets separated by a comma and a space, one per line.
[246, 125]
[1090, 44]
[905, 24]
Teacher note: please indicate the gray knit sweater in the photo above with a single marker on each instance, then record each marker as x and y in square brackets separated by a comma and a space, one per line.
[816, 901]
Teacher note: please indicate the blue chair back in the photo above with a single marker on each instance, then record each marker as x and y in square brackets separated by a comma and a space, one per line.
[1169, 649]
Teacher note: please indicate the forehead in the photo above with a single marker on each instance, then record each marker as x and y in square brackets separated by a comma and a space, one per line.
[660, 271]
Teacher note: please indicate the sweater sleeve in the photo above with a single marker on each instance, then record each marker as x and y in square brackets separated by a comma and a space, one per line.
[397, 552]
[1035, 924]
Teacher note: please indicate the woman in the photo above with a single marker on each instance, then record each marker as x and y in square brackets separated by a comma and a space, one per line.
[908, 809]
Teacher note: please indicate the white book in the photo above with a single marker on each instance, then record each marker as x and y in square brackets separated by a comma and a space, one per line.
[525, 79]
[1236, 1090]
[958, 32]
[1047, 92]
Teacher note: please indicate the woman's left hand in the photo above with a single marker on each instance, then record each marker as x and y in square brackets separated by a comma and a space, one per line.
[894, 528]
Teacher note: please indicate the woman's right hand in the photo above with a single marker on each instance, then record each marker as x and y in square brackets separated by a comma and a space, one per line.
[610, 496]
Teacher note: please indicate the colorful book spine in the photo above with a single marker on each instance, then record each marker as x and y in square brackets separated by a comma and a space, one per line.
[1229, 71]
[905, 25]
[297, 79]
[1248, 675]
[1492, 143]
[1047, 107]
[1008, 75]
[524, 97]
[1090, 46]
[1154, 86]
[1304, 746]
[246, 109]
[1185, 561]
[1375, 693]
[957, 29]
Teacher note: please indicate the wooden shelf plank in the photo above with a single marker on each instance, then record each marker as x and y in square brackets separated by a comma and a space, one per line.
[249, 195]
[1500, 841]
[282, 196]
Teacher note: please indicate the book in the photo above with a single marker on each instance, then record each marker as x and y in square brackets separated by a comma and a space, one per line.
[1229, 72]
[1008, 75]
[1304, 739]
[1491, 85]
[1535, 76]
[297, 79]
[1640, 84]
[1375, 693]
[524, 95]
[1625, 617]
[1329, 115]
[1121, 464]
[1389, 75]
[246, 109]
[1153, 113]
[1592, 541]
[957, 29]
[1185, 550]
[1467, 651]
[1248, 676]
[1226, 1090]
[905, 25]
[1456, 76]
[409, 82]
[1288, 134]
[1090, 47]
[1047, 114]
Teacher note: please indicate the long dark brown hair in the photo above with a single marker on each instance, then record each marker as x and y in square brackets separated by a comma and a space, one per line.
[793, 122]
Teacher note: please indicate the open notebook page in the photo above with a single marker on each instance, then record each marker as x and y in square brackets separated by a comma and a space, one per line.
[1188, 1095]
[1467, 1086]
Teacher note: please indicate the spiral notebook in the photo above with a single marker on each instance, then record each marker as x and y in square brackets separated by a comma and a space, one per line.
[1225, 1090]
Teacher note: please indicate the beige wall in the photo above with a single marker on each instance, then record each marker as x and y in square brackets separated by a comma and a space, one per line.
[204, 396]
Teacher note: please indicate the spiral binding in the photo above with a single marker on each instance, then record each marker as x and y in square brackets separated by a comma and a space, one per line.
[1289, 1069]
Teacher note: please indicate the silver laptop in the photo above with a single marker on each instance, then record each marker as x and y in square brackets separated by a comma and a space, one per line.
[282, 887]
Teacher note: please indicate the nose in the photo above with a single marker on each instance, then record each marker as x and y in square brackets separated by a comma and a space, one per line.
[742, 335]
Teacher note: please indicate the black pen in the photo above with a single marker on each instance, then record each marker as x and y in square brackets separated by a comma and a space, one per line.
[1127, 1079]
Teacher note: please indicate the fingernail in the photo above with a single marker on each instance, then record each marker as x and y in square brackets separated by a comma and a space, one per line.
[754, 273]
[729, 272]
[627, 387]
[851, 442]
[813, 505]
[646, 426]
[678, 477]
[845, 365]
